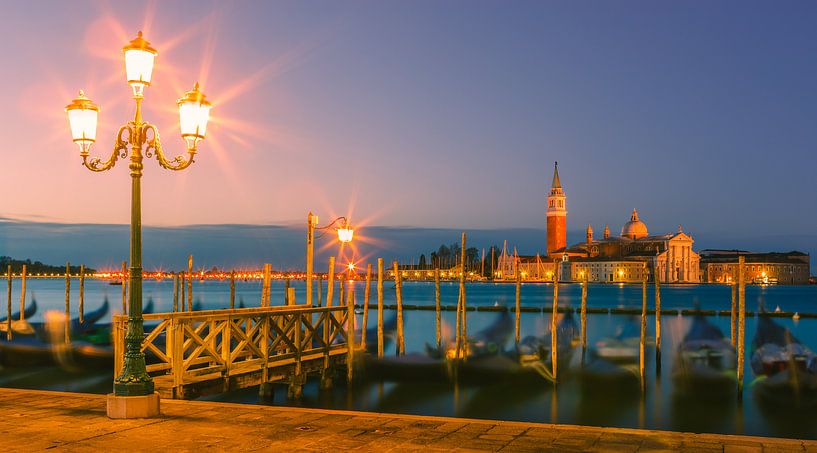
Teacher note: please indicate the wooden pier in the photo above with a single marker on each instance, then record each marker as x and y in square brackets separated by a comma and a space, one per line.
[190, 354]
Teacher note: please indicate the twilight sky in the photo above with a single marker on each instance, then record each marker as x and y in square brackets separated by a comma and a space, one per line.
[427, 113]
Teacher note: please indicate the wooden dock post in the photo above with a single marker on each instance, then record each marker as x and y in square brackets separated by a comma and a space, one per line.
[554, 359]
[330, 283]
[320, 290]
[23, 294]
[125, 282]
[733, 319]
[366, 292]
[437, 314]
[291, 296]
[643, 339]
[741, 324]
[232, 289]
[518, 304]
[175, 307]
[398, 287]
[67, 302]
[8, 316]
[310, 245]
[585, 281]
[265, 286]
[380, 307]
[657, 278]
[341, 289]
[81, 293]
[182, 290]
[190, 283]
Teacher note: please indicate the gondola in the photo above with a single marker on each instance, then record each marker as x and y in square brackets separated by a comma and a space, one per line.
[785, 368]
[27, 313]
[612, 365]
[44, 341]
[705, 363]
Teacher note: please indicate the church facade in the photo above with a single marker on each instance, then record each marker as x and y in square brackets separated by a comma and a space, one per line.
[625, 258]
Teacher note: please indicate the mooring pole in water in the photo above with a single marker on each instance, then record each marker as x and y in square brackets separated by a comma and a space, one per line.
[657, 278]
[124, 287]
[267, 292]
[286, 292]
[733, 319]
[585, 281]
[350, 326]
[291, 296]
[642, 343]
[437, 314]
[464, 324]
[366, 292]
[23, 294]
[518, 302]
[553, 332]
[330, 282]
[190, 283]
[67, 302]
[81, 293]
[380, 307]
[175, 292]
[8, 306]
[398, 287]
[741, 324]
[232, 289]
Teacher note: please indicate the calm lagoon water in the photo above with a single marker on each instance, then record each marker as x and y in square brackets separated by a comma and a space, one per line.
[662, 407]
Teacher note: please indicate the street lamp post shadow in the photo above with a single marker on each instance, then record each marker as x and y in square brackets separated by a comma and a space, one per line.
[133, 395]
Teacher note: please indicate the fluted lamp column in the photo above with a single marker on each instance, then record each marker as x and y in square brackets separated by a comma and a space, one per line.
[133, 393]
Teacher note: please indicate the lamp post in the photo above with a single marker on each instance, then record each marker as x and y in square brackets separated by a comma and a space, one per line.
[345, 234]
[139, 135]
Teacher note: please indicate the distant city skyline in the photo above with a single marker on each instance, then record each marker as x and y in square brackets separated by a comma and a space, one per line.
[429, 114]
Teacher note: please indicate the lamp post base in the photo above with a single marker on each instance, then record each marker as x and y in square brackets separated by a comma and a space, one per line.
[146, 406]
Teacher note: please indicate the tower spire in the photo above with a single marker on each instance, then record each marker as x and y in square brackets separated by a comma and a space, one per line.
[556, 183]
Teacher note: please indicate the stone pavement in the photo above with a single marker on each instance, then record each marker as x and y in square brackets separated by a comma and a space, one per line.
[32, 420]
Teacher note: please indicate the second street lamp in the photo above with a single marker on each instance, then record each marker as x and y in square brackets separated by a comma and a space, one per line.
[345, 234]
[139, 135]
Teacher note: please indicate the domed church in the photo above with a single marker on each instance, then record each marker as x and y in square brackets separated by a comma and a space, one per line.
[622, 258]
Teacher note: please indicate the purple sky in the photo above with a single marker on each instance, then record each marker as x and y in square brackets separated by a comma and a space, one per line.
[428, 113]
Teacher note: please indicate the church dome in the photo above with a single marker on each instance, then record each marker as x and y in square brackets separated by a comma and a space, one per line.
[634, 229]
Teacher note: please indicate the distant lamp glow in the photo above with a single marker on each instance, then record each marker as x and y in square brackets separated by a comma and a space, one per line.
[345, 234]
[351, 267]
[194, 112]
[82, 116]
[139, 58]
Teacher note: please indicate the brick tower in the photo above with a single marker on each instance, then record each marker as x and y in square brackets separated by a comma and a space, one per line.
[557, 216]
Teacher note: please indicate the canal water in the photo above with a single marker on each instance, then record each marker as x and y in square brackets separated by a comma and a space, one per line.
[661, 407]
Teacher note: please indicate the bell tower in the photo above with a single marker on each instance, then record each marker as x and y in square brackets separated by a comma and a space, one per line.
[556, 216]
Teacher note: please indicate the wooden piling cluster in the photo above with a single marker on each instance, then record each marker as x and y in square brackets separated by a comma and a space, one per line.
[22, 294]
[190, 283]
[82, 293]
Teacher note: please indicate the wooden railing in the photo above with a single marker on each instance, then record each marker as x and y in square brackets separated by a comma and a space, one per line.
[239, 347]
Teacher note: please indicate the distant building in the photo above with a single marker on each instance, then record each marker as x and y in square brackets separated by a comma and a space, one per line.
[721, 266]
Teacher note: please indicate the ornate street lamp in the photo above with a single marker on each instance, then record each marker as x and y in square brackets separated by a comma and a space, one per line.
[139, 135]
[345, 235]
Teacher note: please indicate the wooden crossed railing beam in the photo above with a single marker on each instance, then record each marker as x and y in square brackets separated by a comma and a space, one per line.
[190, 346]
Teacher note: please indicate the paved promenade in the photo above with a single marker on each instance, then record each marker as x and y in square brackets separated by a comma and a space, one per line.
[38, 420]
